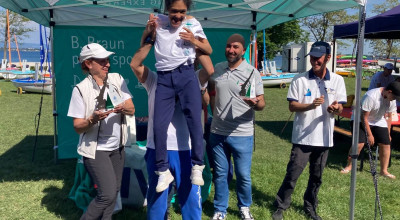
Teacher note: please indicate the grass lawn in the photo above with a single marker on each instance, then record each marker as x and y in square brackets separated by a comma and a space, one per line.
[39, 189]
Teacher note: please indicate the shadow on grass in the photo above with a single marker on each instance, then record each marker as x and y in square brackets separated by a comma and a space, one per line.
[275, 127]
[17, 165]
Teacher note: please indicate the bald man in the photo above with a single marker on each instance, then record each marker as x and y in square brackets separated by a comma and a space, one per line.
[237, 91]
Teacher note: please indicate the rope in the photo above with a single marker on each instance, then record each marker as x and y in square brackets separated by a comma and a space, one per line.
[374, 176]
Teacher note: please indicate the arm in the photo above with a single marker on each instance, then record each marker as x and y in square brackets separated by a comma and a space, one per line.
[211, 86]
[82, 125]
[389, 123]
[257, 103]
[295, 106]
[364, 117]
[126, 107]
[201, 43]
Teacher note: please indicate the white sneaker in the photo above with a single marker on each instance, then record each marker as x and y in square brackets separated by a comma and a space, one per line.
[197, 175]
[219, 216]
[245, 213]
[164, 179]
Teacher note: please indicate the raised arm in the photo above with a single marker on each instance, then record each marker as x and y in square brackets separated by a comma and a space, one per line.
[140, 70]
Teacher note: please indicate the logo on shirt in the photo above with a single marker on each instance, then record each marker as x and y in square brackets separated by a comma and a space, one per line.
[308, 93]
[330, 91]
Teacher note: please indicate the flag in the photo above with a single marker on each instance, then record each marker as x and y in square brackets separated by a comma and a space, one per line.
[41, 49]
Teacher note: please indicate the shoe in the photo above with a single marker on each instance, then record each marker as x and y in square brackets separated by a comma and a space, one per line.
[344, 171]
[164, 179]
[278, 214]
[246, 214]
[219, 216]
[312, 214]
[197, 175]
[389, 176]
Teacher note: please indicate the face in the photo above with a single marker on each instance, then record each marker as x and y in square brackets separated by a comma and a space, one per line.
[234, 52]
[177, 13]
[387, 72]
[319, 63]
[389, 95]
[98, 66]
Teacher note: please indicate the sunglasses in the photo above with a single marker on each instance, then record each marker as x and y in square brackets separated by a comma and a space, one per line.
[101, 62]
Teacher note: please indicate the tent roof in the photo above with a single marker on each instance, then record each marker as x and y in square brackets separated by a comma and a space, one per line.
[382, 26]
[237, 14]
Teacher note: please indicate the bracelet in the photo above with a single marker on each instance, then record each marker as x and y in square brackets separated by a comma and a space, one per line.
[90, 121]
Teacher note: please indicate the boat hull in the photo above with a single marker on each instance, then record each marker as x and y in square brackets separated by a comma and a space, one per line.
[277, 80]
[31, 85]
[383, 62]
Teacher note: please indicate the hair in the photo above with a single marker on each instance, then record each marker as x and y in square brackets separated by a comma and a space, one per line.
[168, 3]
[84, 67]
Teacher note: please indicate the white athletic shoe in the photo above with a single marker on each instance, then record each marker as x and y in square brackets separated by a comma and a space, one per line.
[219, 216]
[164, 179]
[246, 214]
[197, 175]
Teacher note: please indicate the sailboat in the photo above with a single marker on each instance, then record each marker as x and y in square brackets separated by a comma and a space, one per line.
[39, 83]
[13, 72]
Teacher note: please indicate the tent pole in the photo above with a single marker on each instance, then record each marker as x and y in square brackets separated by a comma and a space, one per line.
[55, 147]
[357, 109]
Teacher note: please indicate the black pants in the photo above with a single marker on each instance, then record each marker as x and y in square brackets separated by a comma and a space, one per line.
[299, 157]
[106, 173]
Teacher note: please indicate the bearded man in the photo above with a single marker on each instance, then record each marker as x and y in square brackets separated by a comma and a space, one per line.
[236, 91]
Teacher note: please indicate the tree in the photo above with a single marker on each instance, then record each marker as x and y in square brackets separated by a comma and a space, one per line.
[385, 47]
[278, 36]
[18, 26]
[321, 26]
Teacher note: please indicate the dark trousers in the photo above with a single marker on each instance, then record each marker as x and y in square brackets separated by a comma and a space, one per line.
[181, 83]
[106, 173]
[299, 157]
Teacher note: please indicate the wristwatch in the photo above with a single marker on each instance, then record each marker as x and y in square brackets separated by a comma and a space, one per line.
[148, 40]
[203, 91]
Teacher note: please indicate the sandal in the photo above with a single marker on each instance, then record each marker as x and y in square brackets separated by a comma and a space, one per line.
[389, 176]
[344, 171]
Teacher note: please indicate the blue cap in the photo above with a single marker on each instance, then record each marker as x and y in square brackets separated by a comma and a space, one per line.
[319, 48]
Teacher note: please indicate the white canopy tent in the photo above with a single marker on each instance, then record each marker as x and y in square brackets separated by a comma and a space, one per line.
[122, 15]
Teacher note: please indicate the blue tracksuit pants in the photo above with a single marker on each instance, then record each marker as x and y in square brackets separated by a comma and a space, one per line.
[189, 195]
[180, 83]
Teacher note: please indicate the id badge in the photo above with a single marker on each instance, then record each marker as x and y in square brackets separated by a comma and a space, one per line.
[115, 97]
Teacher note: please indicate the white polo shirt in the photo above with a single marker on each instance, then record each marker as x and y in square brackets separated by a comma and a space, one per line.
[315, 127]
[374, 103]
[169, 49]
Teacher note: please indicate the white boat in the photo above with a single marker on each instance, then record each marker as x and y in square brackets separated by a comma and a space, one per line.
[382, 62]
[16, 74]
[278, 80]
[32, 85]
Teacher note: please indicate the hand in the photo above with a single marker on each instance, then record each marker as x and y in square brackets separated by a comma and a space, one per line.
[119, 108]
[151, 25]
[99, 115]
[251, 102]
[188, 36]
[334, 107]
[318, 101]
[371, 140]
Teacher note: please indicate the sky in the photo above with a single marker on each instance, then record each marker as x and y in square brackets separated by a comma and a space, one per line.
[33, 37]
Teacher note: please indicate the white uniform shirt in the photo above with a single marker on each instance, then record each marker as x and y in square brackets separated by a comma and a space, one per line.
[178, 123]
[315, 127]
[374, 103]
[170, 50]
[110, 128]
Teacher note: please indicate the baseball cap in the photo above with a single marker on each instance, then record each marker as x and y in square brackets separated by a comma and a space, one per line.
[389, 66]
[93, 50]
[319, 48]
[395, 88]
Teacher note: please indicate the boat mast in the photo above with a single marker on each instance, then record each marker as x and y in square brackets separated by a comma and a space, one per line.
[8, 37]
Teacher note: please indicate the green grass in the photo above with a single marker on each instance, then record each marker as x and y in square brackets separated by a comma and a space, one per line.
[39, 189]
